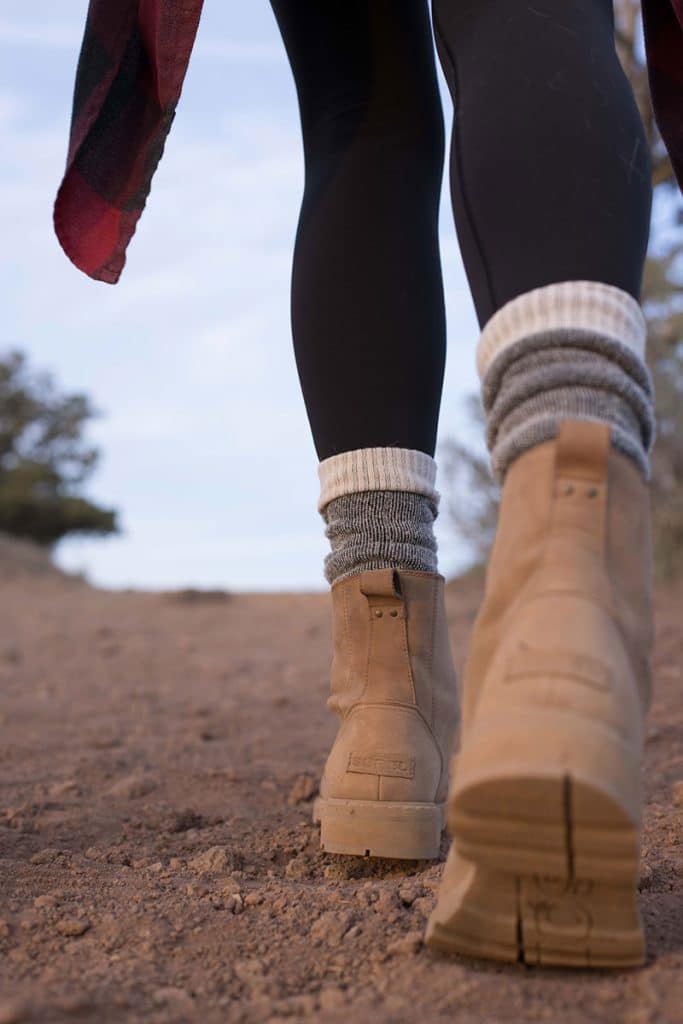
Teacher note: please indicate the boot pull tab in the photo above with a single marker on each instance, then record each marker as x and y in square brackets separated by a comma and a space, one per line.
[580, 476]
[382, 587]
[582, 450]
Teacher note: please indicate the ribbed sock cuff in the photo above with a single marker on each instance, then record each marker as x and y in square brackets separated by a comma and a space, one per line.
[568, 350]
[377, 469]
[378, 530]
[589, 305]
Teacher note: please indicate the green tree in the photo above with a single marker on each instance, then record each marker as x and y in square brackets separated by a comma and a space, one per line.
[471, 496]
[44, 459]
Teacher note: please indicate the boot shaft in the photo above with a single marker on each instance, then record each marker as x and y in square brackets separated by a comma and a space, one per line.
[391, 646]
[574, 519]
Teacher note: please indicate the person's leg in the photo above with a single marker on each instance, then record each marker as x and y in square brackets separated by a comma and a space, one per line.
[368, 324]
[367, 302]
[551, 193]
[550, 178]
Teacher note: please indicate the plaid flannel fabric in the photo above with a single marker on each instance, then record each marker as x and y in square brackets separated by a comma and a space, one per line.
[130, 73]
[129, 77]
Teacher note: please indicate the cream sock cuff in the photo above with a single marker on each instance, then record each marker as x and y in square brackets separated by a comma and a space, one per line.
[377, 469]
[589, 305]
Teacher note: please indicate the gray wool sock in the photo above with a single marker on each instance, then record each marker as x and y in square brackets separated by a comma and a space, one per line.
[376, 529]
[566, 372]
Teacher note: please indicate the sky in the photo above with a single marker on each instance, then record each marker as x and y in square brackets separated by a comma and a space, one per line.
[206, 449]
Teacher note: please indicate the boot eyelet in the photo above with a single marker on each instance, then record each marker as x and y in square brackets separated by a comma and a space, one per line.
[569, 489]
[592, 492]
[393, 613]
[378, 613]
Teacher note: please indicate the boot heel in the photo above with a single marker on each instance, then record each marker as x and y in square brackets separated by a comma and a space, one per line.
[370, 828]
[537, 920]
[556, 795]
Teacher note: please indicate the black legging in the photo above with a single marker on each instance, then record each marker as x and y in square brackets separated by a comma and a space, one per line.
[549, 172]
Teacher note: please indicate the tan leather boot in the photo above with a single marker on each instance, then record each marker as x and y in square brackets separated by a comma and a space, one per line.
[384, 788]
[545, 803]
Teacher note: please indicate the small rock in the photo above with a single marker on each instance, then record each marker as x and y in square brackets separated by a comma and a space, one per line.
[73, 926]
[677, 793]
[46, 901]
[198, 890]
[424, 905]
[131, 787]
[216, 860]
[47, 856]
[248, 969]
[253, 899]
[331, 927]
[409, 892]
[156, 867]
[65, 788]
[303, 789]
[169, 995]
[234, 904]
[182, 821]
[409, 944]
[295, 1006]
[387, 901]
[299, 867]
[13, 1011]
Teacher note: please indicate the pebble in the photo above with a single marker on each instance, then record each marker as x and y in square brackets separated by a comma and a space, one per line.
[47, 856]
[331, 927]
[216, 860]
[234, 904]
[409, 893]
[677, 793]
[424, 905]
[409, 944]
[304, 788]
[253, 899]
[46, 901]
[73, 926]
[131, 786]
[177, 997]
[65, 788]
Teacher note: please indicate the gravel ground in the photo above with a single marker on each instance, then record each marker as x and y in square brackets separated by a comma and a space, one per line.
[159, 757]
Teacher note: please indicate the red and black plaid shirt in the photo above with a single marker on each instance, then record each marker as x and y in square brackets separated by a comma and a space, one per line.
[130, 73]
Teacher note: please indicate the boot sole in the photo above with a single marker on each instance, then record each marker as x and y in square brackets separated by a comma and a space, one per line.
[556, 795]
[373, 828]
[547, 813]
[538, 921]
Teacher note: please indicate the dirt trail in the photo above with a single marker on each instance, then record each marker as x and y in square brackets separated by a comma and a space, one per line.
[159, 756]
